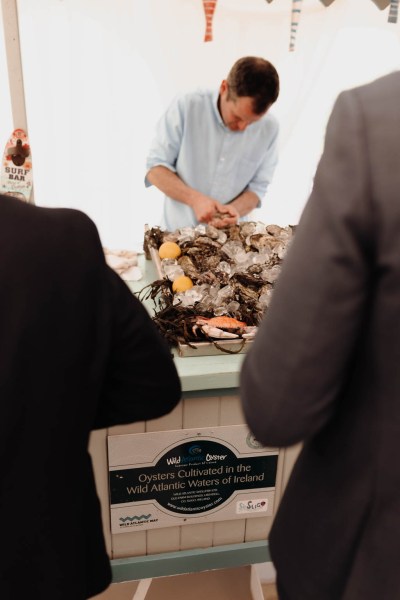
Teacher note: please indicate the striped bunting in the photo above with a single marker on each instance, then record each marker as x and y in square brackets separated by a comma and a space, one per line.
[296, 10]
[393, 11]
[209, 8]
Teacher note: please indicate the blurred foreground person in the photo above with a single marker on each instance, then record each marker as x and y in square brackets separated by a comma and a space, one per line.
[77, 352]
[325, 366]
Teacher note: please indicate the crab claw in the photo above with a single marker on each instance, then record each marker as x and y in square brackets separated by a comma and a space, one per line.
[214, 332]
[250, 332]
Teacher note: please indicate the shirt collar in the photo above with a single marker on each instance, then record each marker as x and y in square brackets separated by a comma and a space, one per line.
[215, 96]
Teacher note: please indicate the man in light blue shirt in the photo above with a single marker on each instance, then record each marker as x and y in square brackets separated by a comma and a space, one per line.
[215, 152]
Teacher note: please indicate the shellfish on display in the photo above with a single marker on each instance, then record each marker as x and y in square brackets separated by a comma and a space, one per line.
[224, 328]
[221, 327]
[233, 270]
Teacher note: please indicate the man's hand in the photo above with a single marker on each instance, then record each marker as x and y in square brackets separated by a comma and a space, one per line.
[225, 215]
[204, 208]
[208, 210]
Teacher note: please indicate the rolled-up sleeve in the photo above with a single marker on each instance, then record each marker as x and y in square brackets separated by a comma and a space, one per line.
[166, 144]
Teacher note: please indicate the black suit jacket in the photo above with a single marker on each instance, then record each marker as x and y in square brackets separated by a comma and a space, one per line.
[325, 366]
[77, 351]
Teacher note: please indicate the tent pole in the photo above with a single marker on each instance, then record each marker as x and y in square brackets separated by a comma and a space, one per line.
[14, 64]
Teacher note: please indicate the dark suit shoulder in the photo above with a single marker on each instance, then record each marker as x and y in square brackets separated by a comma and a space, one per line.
[70, 219]
[378, 99]
[48, 239]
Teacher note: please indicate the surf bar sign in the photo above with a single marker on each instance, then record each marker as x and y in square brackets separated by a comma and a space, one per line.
[171, 478]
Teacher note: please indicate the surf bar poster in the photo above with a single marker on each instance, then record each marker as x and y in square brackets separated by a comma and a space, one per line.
[170, 478]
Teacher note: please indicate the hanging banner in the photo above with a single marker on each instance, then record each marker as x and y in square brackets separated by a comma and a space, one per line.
[393, 11]
[295, 19]
[188, 476]
[209, 9]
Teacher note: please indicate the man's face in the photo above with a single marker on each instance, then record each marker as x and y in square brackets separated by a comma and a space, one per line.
[237, 113]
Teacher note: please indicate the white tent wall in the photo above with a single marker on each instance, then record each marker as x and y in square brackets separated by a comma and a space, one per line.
[98, 74]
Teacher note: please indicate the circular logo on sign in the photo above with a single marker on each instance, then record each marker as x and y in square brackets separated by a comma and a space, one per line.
[197, 475]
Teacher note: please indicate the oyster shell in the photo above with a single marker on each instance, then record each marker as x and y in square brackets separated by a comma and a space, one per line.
[188, 266]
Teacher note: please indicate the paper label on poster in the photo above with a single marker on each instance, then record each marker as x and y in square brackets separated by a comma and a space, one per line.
[173, 478]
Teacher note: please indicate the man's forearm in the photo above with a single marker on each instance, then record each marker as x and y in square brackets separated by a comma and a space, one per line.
[245, 203]
[171, 185]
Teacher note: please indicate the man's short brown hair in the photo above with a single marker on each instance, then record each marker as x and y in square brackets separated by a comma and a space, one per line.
[254, 77]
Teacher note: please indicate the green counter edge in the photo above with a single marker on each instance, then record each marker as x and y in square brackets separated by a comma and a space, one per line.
[189, 561]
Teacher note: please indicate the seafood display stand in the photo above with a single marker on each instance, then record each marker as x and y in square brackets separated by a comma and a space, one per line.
[219, 555]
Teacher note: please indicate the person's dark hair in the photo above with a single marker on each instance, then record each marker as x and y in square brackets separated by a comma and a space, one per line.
[254, 77]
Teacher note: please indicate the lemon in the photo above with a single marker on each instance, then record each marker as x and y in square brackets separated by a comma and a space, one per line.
[169, 250]
[182, 283]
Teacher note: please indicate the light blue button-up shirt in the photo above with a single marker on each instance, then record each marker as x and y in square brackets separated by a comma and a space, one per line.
[192, 141]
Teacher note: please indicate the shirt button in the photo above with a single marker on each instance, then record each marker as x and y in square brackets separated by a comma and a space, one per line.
[222, 158]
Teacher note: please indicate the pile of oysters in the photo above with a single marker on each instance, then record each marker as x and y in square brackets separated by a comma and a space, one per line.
[232, 273]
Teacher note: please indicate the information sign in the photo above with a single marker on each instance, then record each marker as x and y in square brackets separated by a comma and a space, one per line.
[172, 478]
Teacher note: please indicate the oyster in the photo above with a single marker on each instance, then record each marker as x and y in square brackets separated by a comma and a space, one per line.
[187, 265]
[233, 233]
[212, 232]
[259, 241]
[209, 277]
[244, 293]
[212, 262]
[274, 230]
[203, 240]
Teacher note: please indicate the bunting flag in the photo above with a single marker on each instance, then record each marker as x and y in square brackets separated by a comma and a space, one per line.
[393, 11]
[381, 4]
[209, 9]
[296, 10]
